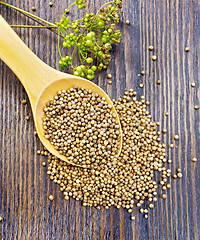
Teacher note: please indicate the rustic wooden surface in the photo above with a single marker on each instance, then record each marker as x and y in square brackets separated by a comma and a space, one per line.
[169, 26]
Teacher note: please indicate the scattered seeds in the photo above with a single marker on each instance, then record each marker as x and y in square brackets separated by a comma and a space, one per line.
[110, 82]
[146, 216]
[194, 159]
[109, 76]
[168, 185]
[38, 152]
[127, 22]
[115, 181]
[154, 58]
[51, 197]
[147, 103]
[27, 118]
[169, 161]
[151, 48]
[178, 170]
[187, 49]
[171, 145]
[33, 8]
[193, 84]
[44, 164]
[196, 107]
[141, 85]
[176, 137]
[24, 101]
[174, 176]
[142, 73]
[158, 82]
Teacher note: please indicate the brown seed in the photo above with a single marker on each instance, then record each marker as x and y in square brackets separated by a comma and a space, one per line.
[179, 175]
[169, 161]
[147, 103]
[151, 48]
[132, 218]
[187, 49]
[33, 8]
[27, 118]
[110, 82]
[51, 4]
[154, 58]
[44, 164]
[164, 130]
[109, 76]
[194, 159]
[127, 22]
[178, 170]
[174, 176]
[164, 196]
[38, 152]
[141, 85]
[35, 133]
[158, 82]
[151, 205]
[24, 101]
[193, 84]
[171, 145]
[51, 197]
[166, 114]
[176, 137]
[168, 185]
[196, 107]
[142, 73]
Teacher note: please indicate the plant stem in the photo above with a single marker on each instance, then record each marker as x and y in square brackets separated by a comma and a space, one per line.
[59, 43]
[104, 6]
[30, 26]
[27, 13]
[69, 7]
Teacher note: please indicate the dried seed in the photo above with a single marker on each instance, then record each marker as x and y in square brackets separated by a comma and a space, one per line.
[127, 22]
[158, 82]
[151, 48]
[154, 58]
[44, 164]
[51, 4]
[141, 85]
[24, 101]
[110, 82]
[176, 137]
[166, 114]
[27, 118]
[193, 84]
[1, 219]
[109, 76]
[132, 218]
[51, 197]
[142, 73]
[33, 8]
[196, 107]
[187, 49]
[179, 175]
[194, 159]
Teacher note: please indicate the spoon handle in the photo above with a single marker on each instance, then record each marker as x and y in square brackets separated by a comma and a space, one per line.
[31, 71]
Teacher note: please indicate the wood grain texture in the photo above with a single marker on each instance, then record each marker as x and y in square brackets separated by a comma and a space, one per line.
[169, 26]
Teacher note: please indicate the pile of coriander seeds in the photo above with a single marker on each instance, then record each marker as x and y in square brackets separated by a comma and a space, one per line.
[80, 124]
[122, 181]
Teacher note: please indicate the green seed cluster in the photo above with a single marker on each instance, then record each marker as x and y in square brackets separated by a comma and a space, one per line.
[92, 37]
[124, 180]
[81, 125]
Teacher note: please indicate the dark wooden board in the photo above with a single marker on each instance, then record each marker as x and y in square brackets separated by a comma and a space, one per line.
[169, 26]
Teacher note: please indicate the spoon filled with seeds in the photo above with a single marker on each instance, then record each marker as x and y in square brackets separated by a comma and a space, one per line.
[74, 118]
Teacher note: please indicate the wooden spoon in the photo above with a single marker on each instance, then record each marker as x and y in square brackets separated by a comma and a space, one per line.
[40, 81]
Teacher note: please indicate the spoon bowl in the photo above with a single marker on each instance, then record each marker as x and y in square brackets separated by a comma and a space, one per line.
[40, 81]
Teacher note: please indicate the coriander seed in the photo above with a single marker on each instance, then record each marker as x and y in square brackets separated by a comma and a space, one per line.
[127, 22]
[176, 137]
[154, 58]
[193, 84]
[51, 197]
[196, 107]
[109, 76]
[194, 159]
[187, 49]
[24, 101]
[151, 48]
[109, 82]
